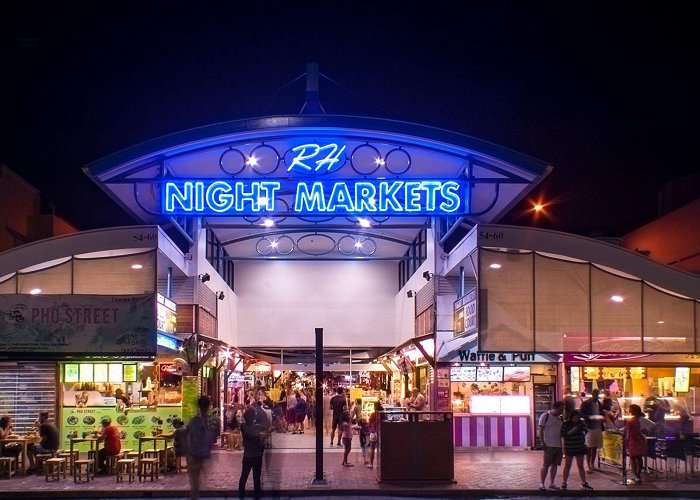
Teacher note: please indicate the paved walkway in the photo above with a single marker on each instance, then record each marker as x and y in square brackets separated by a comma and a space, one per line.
[288, 473]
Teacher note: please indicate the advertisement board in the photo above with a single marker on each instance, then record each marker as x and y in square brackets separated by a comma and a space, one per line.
[78, 324]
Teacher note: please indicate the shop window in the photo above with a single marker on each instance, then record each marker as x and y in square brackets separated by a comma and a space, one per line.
[8, 286]
[668, 322]
[50, 280]
[616, 312]
[413, 258]
[219, 258]
[131, 274]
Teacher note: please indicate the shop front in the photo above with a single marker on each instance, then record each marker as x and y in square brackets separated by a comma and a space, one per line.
[666, 387]
[496, 398]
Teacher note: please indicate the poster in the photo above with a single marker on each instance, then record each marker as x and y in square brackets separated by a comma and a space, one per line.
[611, 452]
[79, 422]
[190, 393]
[78, 324]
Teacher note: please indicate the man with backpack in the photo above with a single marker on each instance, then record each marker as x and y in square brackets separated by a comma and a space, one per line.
[550, 434]
[199, 439]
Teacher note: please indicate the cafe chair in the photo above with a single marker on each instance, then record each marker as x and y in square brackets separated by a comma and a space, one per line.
[83, 468]
[54, 467]
[126, 466]
[111, 463]
[70, 458]
[125, 452]
[180, 464]
[8, 467]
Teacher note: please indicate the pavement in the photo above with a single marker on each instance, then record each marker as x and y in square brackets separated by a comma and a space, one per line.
[288, 471]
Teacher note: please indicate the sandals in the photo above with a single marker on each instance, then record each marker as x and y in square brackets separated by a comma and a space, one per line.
[586, 486]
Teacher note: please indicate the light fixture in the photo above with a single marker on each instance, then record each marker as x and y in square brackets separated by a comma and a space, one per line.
[274, 244]
[136, 266]
[410, 294]
[427, 275]
[617, 298]
[363, 222]
[220, 295]
[204, 277]
[660, 322]
[35, 291]
[268, 223]
[252, 161]
[358, 244]
[495, 266]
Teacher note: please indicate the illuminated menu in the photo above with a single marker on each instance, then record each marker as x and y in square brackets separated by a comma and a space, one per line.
[463, 374]
[489, 374]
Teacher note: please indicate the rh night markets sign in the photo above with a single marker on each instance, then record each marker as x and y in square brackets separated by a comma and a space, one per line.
[310, 195]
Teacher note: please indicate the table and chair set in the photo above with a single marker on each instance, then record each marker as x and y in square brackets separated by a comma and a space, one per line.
[146, 463]
[664, 455]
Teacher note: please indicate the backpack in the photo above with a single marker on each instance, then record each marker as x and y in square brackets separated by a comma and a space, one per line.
[198, 438]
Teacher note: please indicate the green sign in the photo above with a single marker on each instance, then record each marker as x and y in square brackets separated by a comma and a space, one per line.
[71, 373]
[190, 393]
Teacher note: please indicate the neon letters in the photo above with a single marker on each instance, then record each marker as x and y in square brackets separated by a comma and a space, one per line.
[341, 197]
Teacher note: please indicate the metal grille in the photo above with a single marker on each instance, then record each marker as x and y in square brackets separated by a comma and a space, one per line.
[25, 390]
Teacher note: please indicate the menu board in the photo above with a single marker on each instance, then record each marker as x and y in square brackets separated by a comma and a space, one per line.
[76, 422]
[129, 373]
[489, 374]
[516, 374]
[463, 373]
[590, 373]
[682, 379]
[71, 373]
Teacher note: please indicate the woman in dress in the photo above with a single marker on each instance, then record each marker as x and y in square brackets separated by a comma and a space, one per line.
[636, 443]
[573, 431]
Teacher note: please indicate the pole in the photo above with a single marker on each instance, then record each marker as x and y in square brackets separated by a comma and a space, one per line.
[319, 478]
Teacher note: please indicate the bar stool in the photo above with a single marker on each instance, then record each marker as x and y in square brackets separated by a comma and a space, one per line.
[54, 467]
[86, 468]
[180, 464]
[40, 459]
[126, 466]
[8, 467]
[111, 463]
[148, 467]
[70, 458]
[125, 451]
[92, 455]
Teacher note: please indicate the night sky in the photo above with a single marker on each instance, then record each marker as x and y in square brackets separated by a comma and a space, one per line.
[607, 94]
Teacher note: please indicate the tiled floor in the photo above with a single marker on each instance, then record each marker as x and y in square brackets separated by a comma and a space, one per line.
[289, 472]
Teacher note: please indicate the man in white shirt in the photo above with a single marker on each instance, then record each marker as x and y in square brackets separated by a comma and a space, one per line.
[550, 433]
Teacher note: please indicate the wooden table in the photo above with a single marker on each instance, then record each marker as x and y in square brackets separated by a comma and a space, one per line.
[24, 441]
[94, 443]
[154, 440]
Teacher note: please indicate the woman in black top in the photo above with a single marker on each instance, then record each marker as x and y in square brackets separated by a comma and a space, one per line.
[573, 431]
[253, 450]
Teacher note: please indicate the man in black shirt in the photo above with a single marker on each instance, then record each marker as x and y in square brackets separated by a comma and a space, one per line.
[49, 439]
[338, 404]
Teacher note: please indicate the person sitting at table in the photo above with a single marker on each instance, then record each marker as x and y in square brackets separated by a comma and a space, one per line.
[113, 445]
[180, 442]
[49, 440]
[9, 449]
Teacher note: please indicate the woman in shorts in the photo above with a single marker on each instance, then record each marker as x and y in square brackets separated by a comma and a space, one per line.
[573, 431]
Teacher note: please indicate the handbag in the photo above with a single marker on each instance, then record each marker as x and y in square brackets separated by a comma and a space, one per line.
[373, 436]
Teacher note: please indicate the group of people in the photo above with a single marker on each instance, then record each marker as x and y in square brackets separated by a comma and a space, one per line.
[577, 433]
[48, 439]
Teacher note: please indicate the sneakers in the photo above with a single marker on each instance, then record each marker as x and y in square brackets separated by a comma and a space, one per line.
[554, 487]
[563, 486]
[586, 486]
[542, 488]
[340, 444]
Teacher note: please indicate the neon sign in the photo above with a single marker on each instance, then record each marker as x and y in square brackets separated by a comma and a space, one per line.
[370, 197]
[302, 195]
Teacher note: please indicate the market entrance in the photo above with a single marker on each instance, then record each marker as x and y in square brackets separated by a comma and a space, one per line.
[285, 379]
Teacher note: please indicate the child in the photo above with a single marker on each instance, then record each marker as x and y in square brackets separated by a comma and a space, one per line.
[346, 433]
[364, 438]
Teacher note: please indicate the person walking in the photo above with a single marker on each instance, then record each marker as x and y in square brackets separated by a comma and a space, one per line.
[549, 426]
[636, 443]
[198, 445]
[573, 431]
[299, 414]
[593, 415]
[337, 404]
[253, 452]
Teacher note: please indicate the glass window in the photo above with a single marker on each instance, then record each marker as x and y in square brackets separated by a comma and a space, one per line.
[616, 311]
[668, 322]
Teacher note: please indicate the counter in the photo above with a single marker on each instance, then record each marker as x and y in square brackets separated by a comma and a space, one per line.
[475, 430]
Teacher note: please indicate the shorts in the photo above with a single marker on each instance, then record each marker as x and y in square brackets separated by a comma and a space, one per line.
[594, 438]
[336, 422]
[36, 448]
[300, 418]
[552, 455]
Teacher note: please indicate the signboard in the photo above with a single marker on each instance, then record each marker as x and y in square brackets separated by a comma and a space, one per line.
[489, 374]
[463, 374]
[516, 373]
[466, 314]
[78, 324]
[129, 373]
[312, 191]
[682, 379]
[166, 314]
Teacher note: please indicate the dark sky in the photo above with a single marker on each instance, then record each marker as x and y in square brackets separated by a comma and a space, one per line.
[606, 93]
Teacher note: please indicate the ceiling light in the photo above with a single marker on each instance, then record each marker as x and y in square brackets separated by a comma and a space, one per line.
[136, 266]
[358, 244]
[617, 298]
[268, 223]
[273, 244]
[364, 222]
[379, 161]
[495, 266]
[661, 322]
[252, 161]
[35, 291]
